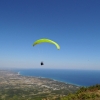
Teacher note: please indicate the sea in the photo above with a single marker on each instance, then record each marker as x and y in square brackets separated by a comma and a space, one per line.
[77, 77]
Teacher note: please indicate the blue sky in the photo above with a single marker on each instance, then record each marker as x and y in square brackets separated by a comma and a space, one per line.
[73, 24]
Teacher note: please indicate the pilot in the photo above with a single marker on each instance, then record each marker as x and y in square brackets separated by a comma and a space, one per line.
[42, 63]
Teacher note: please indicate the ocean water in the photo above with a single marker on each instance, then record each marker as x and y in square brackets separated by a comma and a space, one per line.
[77, 77]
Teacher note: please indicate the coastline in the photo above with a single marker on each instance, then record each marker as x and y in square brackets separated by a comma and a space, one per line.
[19, 73]
[12, 75]
[83, 78]
[34, 86]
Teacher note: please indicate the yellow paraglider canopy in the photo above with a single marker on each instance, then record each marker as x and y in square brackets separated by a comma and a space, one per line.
[43, 40]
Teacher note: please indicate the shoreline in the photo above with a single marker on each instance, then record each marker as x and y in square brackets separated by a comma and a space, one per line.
[76, 77]
[15, 82]
[51, 79]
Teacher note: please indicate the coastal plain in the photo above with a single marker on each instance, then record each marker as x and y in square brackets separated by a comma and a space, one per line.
[13, 85]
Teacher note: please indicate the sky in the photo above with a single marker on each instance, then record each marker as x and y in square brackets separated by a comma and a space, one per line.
[73, 24]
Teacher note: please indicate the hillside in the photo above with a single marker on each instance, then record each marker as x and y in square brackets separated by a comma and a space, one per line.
[85, 93]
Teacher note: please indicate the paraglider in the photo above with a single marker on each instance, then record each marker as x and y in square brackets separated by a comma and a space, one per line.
[45, 40]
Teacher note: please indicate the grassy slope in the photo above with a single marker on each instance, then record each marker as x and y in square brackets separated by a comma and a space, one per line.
[85, 93]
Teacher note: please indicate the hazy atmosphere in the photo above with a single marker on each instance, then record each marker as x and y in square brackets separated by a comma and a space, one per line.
[73, 24]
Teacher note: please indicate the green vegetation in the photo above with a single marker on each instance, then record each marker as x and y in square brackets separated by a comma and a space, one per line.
[84, 93]
[20, 94]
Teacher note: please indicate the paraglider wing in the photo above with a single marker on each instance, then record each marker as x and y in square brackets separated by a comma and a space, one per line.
[47, 41]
